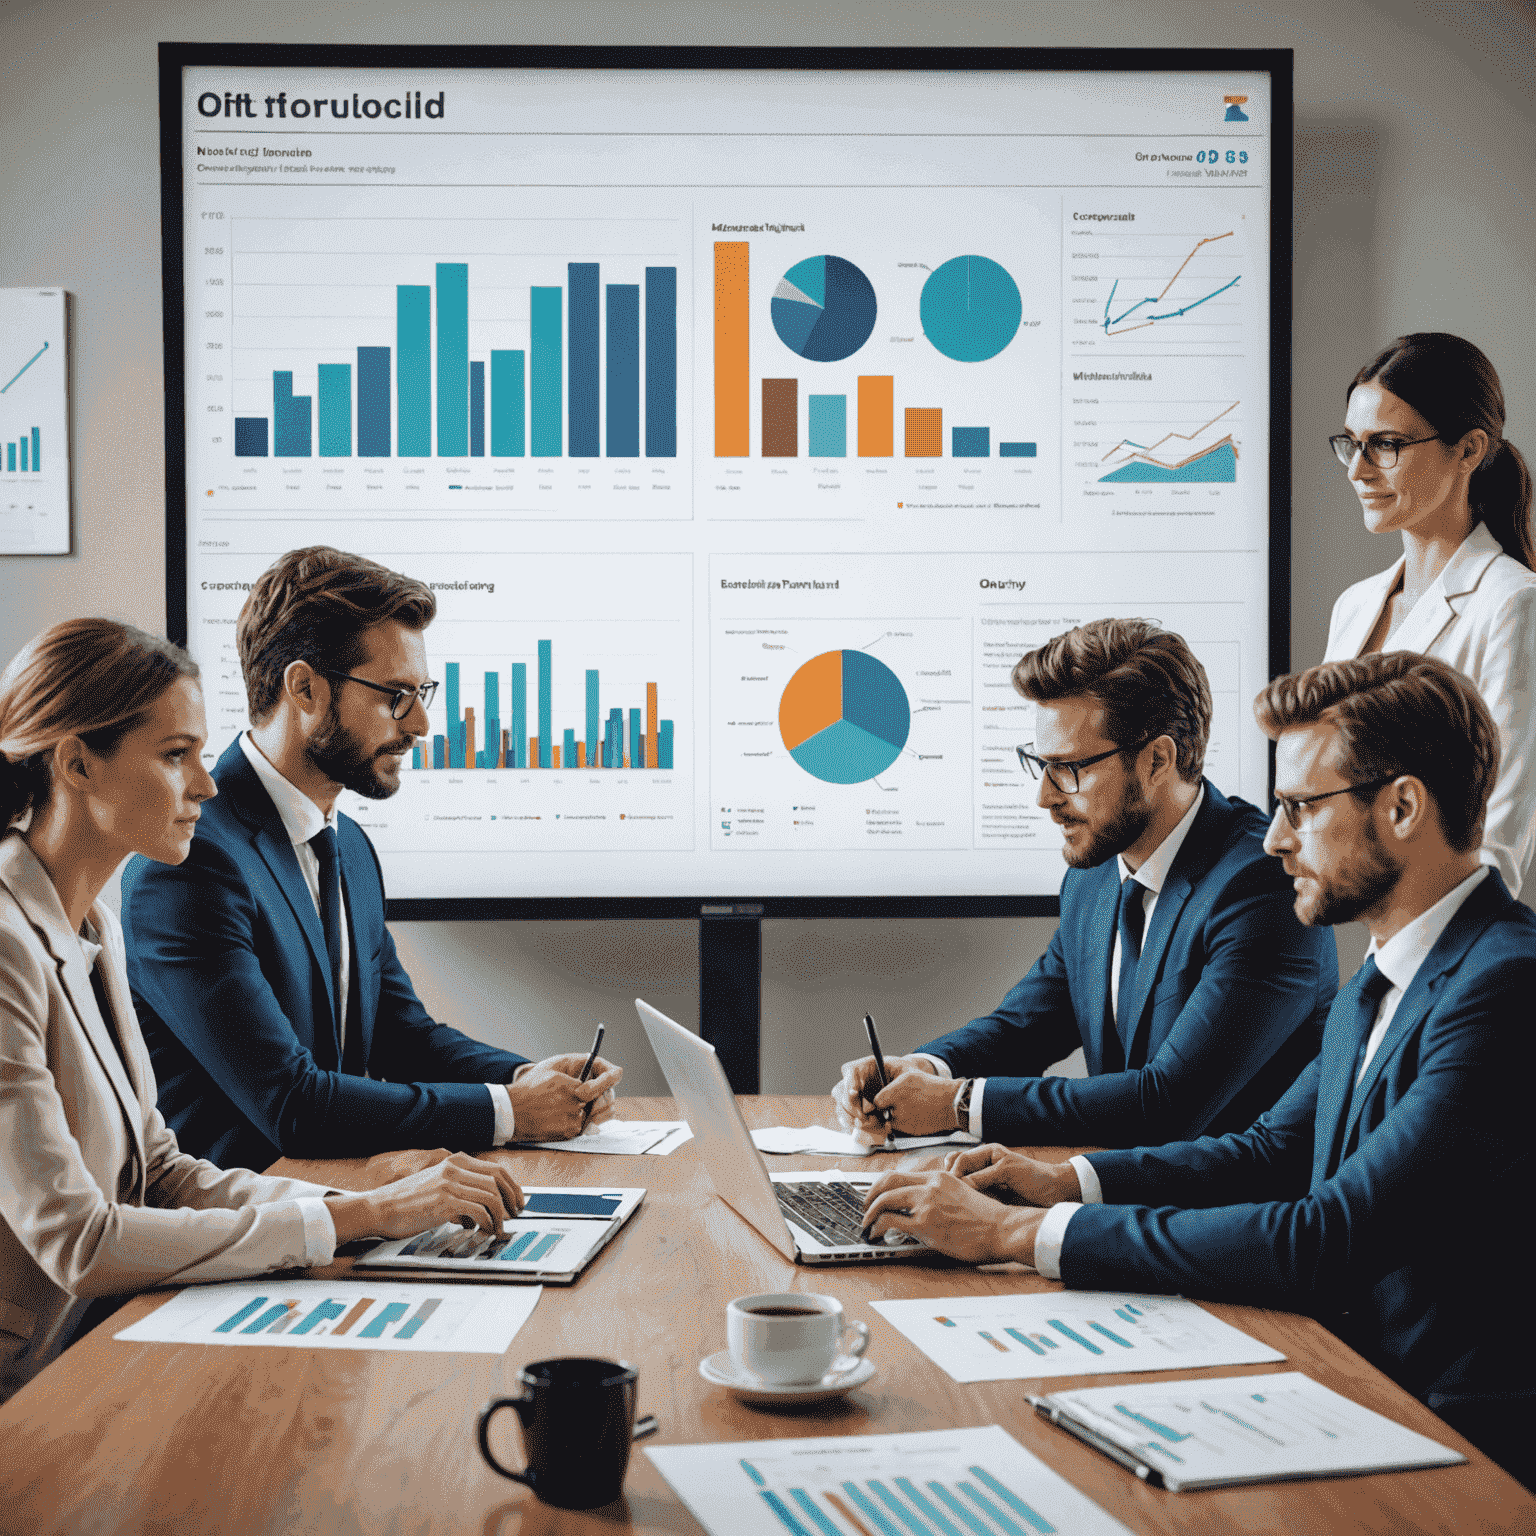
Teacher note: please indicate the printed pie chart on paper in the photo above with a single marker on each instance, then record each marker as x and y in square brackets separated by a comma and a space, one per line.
[844, 717]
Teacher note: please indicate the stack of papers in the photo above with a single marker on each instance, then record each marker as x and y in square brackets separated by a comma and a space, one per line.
[1069, 1333]
[624, 1138]
[953, 1480]
[1243, 1429]
[830, 1143]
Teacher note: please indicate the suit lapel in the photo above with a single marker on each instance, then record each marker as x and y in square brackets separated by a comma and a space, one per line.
[1171, 901]
[1357, 630]
[358, 882]
[1336, 1079]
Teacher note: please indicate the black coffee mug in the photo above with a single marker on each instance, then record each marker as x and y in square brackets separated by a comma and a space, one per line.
[578, 1419]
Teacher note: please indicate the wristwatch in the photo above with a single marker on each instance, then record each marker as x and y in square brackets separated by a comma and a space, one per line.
[963, 1104]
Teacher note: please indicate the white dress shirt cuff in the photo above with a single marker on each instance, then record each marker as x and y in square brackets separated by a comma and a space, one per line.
[1088, 1182]
[1049, 1236]
[506, 1121]
[978, 1089]
[940, 1066]
[319, 1230]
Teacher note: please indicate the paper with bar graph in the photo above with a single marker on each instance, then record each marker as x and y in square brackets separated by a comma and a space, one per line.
[34, 422]
[1069, 1333]
[953, 1482]
[340, 1314]
[1207, 1434]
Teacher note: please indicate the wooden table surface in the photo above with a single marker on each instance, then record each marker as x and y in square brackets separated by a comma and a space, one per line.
[190, 1438]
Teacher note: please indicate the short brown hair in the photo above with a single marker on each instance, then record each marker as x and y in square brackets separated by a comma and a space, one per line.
[1146, 680]
[314, 605]
[92, 678]
[1398, 712]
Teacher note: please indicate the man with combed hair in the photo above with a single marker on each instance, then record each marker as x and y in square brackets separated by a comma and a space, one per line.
[278, 1017]
[1178, 966]
[1385, 1192]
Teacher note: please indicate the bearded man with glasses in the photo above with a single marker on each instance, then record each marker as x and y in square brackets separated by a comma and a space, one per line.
[1178, 966]
[277, 1014]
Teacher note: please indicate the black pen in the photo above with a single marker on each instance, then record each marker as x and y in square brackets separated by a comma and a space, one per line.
[886, 1115]
[586, 1071]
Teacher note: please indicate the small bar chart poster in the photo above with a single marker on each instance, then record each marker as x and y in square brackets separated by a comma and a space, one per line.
[329, 1314]
[1069, 1333]
[934, 1483]
[34, 422]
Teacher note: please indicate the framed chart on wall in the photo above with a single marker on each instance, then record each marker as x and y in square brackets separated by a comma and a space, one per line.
[750, 413]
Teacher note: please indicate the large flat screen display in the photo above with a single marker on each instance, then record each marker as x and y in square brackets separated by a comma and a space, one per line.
[750, 415]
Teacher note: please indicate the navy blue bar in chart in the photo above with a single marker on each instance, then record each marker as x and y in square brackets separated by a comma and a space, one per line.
[582, 362]
[251, 437]
[661, 362]
[373, 434]
[477, 410]
[970, 442]
[623, 405]
[1015, 450]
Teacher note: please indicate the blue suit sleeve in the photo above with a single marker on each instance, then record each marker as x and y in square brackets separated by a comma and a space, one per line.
[1463, 1110]
[1031, 1028]
[193, 960]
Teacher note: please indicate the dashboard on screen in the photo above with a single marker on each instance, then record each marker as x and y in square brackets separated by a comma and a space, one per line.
[750, 414]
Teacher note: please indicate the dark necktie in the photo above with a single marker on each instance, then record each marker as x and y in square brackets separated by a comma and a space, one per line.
[1373, 986]
[1129, 926]
[324, 845]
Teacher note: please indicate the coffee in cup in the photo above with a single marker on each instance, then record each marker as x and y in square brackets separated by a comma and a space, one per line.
[791, 1338]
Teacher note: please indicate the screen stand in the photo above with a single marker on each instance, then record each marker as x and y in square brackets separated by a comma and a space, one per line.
[731, 993]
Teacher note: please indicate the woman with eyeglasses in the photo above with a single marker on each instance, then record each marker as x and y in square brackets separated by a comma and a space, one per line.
[101, 734]
[1425, 449]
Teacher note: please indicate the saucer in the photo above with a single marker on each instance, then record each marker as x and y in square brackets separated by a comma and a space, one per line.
[719, 1370]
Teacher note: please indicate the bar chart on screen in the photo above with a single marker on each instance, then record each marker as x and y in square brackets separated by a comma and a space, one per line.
[328, 1314]
[34, 456]
[980, 1482]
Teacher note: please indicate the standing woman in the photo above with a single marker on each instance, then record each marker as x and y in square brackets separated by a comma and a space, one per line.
[1425, 449]
[101, 735]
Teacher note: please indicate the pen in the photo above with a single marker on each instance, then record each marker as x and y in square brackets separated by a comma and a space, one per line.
[586, 1071]
[1062, 1420]
[886, 1115]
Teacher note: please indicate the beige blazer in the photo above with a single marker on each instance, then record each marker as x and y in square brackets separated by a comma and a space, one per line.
[95, 1197]
[1480, 616]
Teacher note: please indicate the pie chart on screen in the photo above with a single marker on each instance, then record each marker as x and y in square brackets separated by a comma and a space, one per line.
[824, 309]
[844, 717]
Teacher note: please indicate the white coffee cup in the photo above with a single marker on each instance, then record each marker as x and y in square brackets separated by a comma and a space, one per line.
[790, 1337]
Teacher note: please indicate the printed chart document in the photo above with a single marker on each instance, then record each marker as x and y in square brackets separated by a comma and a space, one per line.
[829, 1143]
[560, 1231]
[934, 1482]
[340, 1314]
[1069, 1333]
[624, 1138]
[1246, 1429]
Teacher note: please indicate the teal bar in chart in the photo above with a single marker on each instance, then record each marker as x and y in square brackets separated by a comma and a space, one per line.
[1024, 1339]
[413, 370]
[10, 458]
[808, 1506]
[1100, 1328]
[519, 1246]
[320, 1314]
[451, 711]
[409, 1328]
[970, 442]
[375, 1326]
[267, 1318]
[930, 1509]
[335, 410]
[518, 756]
[37, 452]
[592, 713]
[231, 1323]
[545, 368]
[1016, 450]
[546, 701]
[547, 1244]
[785, 1515]
[568, 750]
[1014, 1502]
[828, 435]
[663, 743]
[1074, 1335]
[452, 359]
[508, 440]
[875, 1516]
[23, 446]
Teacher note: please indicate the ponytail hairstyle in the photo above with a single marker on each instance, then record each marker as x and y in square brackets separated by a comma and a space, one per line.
[92, 678]
[1454, 387]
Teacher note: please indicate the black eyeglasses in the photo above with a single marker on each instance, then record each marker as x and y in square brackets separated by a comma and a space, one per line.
[402, 700]
[1068, 779]
[1294, 805]
[1380, 451]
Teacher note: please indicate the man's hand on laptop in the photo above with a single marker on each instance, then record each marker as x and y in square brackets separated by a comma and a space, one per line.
[1014, 1178]
[551, 1105]
[924, 1102]
[951, 1216]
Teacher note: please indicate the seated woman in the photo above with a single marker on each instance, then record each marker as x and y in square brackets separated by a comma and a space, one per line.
[101, 735]
[1426, 454]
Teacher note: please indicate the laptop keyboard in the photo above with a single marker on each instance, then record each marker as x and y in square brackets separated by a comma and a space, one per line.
[831, 1213]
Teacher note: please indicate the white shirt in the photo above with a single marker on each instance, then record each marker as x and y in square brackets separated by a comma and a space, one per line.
[1152, 875]
[319, 1228]
[1399, 960]
[302, 819]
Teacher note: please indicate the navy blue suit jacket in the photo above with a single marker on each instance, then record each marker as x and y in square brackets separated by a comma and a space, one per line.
[1228, 1006]
[232, 984]
[1390, 1210]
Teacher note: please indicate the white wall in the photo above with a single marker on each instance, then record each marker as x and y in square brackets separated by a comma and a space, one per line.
[1415, 167]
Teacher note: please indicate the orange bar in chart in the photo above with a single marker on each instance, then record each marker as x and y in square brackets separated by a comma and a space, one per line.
[581, 754]
[469, 738]
[533, 751]
[652, 760]
[345, 1324]
[554, 757]
[501, 755]
[877, 415]
[925, 433]
[733, 384]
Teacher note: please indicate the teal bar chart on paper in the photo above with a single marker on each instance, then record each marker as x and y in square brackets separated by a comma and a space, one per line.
[962, 1482]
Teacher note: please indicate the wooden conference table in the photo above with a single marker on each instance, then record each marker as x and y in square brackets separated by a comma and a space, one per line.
[193, 1438]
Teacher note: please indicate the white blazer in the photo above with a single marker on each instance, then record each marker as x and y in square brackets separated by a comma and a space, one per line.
[95, 1197]
[1480, 616]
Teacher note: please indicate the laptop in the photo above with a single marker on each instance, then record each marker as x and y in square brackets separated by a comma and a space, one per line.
[811, 1218]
